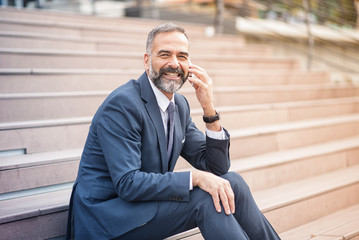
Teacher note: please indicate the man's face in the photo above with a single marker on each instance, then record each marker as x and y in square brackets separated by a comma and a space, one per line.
[168, 64]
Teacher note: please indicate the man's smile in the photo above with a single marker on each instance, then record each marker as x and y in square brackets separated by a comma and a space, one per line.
[172, 76]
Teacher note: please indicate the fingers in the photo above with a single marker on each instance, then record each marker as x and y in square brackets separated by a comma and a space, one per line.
[202, 85]
[225, 196]
[199, 77]
[231, 203]
[217, 203]
[227, 199]
[220, 189]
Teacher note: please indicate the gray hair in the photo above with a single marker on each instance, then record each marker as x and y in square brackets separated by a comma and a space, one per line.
[163, 28]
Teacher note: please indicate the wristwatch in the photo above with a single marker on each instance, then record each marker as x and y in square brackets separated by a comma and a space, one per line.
[211, 119]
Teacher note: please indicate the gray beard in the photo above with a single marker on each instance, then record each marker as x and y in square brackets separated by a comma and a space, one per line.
[168, 86]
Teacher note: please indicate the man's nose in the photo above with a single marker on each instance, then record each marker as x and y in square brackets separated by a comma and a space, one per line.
[174, 62]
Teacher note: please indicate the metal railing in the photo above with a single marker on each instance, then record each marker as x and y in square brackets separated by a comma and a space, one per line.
[281, 10]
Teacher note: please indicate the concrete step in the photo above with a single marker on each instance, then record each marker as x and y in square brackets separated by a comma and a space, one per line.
[37, 58]
[50, 105]
[38, 170]
[44, 139]
[37, 216]
[275, 168]
[21, 172]
[328, 227]
[130, 23]
[232, 96]
[120, 31]
[60, 42]
[232, 77]
[54, 16]
[21, 133]
[62, 17]
[263, 114]
[294, 204]
[286, 206]
[340, 225]
[64, 80]
[44, 15]
[253, 140]
[278, 137]
[235, 117]
[73, 28]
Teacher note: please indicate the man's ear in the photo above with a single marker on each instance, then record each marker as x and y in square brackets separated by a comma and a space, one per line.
[146, 61]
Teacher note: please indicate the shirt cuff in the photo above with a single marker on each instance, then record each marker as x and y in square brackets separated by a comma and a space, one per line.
[216, 135]
[190, 181]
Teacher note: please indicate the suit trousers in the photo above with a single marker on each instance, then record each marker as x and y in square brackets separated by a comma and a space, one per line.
[247, 222]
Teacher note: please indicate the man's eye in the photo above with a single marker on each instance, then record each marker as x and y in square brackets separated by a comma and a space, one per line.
[183, 57]
[164, 55]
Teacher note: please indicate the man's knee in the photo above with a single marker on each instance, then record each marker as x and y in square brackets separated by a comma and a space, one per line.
[204, 200]
[238, 184]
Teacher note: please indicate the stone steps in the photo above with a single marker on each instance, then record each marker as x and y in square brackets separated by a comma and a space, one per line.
[329, 227]
[250, 115]
[261, 171]
[86, 30]
[71, 29]
[294, 135]
[274, 113]
[18, 135]
[45, 41]
[301, 205]
[43, 139]
[279, 137]
[19, 173]
[277, 168]
[38, 216]
[44, 105]
[285, 206]
[291, 205]
[132, 24]
[27, 80]
[38, 58]
[53, 16]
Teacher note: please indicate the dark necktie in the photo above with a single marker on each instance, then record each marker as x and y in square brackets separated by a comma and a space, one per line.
[170, 128]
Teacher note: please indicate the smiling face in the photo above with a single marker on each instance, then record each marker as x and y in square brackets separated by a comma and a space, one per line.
[168, 65]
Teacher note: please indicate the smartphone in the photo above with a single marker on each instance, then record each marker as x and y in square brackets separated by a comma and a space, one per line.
[190, 63]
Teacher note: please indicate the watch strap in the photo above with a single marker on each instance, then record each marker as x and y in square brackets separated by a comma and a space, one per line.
[211, 119]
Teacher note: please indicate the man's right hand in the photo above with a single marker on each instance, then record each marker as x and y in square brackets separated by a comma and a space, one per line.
[220, 189]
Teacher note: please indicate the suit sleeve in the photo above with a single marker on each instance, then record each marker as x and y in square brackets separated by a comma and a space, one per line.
[119, 129]
[206, 153]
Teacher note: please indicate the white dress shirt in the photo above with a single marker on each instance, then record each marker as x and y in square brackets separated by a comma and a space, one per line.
[163, 103]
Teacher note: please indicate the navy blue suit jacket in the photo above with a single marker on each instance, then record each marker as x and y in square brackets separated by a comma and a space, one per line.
[124, 171]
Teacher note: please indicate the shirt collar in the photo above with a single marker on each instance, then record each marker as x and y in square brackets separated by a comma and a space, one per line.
[162, 100]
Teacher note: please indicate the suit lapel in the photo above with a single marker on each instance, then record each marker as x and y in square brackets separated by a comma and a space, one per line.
[154, 112]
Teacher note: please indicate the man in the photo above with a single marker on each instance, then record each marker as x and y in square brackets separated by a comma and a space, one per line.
[126, 187]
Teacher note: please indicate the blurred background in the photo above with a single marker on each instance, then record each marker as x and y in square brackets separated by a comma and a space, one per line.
[318, 31]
